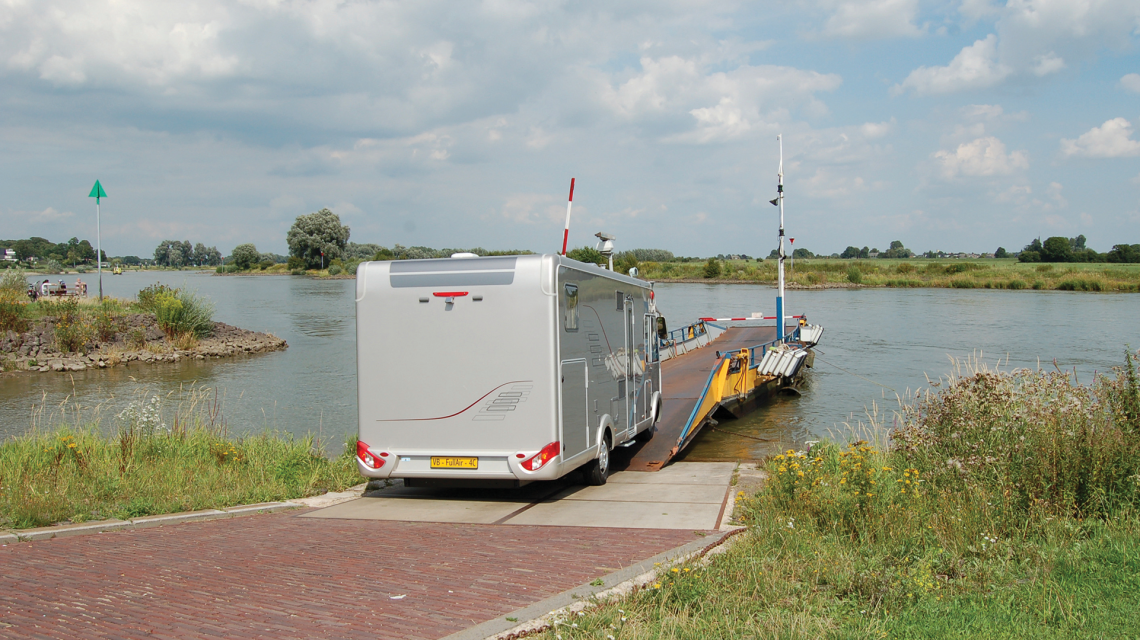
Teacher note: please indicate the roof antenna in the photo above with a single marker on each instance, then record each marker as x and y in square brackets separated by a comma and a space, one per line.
[570, 203]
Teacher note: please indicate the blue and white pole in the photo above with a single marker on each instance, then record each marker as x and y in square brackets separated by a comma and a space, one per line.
[780, 292]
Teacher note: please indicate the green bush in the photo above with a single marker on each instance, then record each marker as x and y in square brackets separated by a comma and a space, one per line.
[334, 270]
[265, 264]
[106, 324]
[854, 275]
[146, 296]
[72, 331]
[13, 311]
[712, 268]
[295, 263]
[179, 312]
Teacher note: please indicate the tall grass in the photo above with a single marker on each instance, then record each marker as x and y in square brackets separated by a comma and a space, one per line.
[1003, 505]
[160, 459]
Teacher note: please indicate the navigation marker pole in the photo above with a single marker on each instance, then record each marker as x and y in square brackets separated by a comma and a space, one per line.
[779, 201]
[570, 203]
[97, 193]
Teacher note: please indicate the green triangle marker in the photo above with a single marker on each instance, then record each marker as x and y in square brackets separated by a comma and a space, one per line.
[97, 192]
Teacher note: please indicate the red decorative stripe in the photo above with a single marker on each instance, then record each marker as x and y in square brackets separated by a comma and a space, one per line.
[571, 189]
[457, 412]
[449, 294]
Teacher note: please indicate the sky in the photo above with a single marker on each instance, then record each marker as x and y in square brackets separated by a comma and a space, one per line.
[954, 126]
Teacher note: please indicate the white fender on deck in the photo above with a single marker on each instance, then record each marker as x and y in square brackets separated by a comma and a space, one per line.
[766, 361]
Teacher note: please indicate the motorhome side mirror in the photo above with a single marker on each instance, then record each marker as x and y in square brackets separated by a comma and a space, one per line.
[662, 332]
[633, 272]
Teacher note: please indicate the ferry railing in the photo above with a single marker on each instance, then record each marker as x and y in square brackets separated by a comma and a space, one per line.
[754, 358]
[687, 332]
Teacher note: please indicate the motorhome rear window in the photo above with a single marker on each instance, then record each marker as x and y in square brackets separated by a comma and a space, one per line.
[571, 307]
[452, 272]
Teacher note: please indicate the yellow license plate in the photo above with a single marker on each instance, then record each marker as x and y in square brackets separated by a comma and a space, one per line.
[454, 463]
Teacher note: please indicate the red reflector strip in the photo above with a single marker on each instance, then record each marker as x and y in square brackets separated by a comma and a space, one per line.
[449, 294]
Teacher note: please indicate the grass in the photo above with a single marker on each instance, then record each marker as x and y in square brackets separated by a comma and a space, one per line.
[1004, 507]
[77, 322]
[916, 272]
[157, 461]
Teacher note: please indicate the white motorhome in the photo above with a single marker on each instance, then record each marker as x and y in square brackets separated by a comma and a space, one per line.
[493, 369]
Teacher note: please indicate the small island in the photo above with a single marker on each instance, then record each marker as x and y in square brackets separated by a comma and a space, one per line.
[70, 333]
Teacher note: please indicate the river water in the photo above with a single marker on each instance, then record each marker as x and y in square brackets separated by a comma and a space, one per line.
[879, 344]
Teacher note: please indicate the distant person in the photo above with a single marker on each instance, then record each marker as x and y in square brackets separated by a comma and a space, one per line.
[81, 287]
[32, 292]
[45, 288]
[62, 288]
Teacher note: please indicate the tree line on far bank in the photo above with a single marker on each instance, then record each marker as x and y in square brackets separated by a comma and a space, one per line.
[1062, 249]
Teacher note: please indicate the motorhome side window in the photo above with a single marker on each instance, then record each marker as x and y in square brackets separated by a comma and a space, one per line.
[571, 307]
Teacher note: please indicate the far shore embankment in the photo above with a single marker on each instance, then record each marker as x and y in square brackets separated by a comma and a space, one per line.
[814, 274]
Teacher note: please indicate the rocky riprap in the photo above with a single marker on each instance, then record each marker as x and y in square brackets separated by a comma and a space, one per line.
[35, 349]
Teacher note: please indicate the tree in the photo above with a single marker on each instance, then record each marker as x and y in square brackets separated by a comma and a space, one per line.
[864, 253]
[802, 253]
[354, 251]
[172, 253]
[897, 250]
[712, 268]
[316, 233]
[1001, 253]
[589, 255]
[1128, 253]
[1077, 243]
[1056, 249]
[245, 256]
[850, 252]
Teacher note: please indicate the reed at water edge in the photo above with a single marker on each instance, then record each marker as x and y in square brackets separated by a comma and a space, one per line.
[1004, 504]
[162, 454]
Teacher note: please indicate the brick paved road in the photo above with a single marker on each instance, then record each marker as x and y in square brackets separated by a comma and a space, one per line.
[288, 577]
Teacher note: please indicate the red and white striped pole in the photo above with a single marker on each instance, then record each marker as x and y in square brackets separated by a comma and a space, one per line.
[570, 203]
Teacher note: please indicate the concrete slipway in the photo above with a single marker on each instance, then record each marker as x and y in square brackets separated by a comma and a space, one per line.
[683, 495]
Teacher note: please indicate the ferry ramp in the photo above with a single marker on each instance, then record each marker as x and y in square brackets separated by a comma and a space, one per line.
[686, 380]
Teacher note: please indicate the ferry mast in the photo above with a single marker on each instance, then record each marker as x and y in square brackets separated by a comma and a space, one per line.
[780, 202]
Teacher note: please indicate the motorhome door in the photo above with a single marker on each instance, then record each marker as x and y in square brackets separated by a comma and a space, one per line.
[632, 368]
[575, 410]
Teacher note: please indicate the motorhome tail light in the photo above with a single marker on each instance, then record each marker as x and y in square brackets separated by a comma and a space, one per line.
[538, 460]
[449, 294]
[369, 460]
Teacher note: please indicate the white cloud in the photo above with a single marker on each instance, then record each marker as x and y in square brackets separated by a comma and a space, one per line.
[871, 19]
[75, 42]
[1113, 139]
[50, 214]
[873, 130]
[1130, 82]
[982, 157]
[1046, 64]
[975, 67]
[1032, 39]
[978, 9]
[532, 208]
[826, 183]
[723, 105]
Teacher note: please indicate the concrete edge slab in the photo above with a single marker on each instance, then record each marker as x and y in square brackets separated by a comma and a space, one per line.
[261, 507]
[63, 531]
[536, 616]
[174, 518]
[7, 537]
